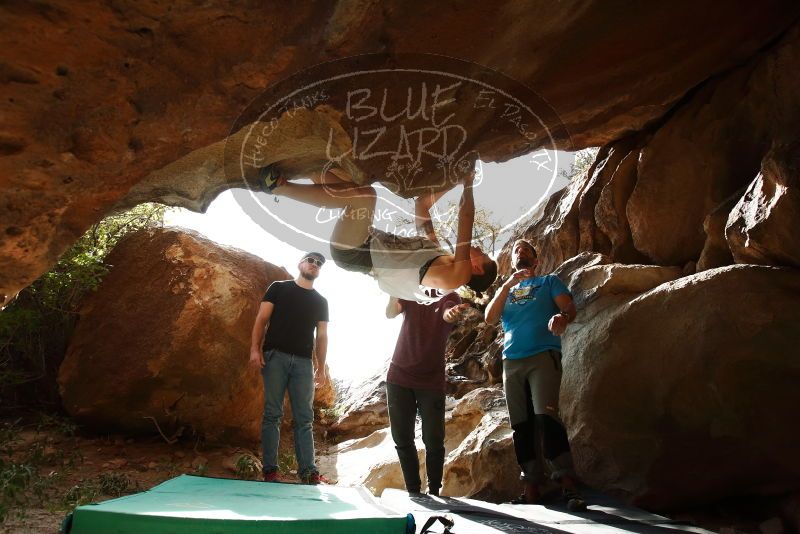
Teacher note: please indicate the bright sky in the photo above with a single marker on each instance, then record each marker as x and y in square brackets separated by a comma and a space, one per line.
[361, 339]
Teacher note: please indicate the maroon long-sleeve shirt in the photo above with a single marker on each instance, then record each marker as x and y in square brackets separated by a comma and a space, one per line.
[418, 360]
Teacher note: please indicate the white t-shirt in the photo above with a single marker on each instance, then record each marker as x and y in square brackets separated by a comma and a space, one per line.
[396, 261]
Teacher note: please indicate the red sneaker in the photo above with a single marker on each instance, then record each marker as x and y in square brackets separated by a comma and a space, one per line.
[272, 476]
[313, 479]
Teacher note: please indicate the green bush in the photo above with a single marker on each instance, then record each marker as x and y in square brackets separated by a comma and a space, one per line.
[84, 492]
[35, 328]
[110, 484]
[583, 162]
[116, 484]
[248, 466]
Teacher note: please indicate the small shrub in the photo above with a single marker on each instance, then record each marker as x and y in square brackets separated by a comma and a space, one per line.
[170, 469]
[64, 426]
[287, 462]
[104, 485]
[582, 163]
[9, 435]
[14, 481]
[84, 492]
[29, 475]
[201, 470]
[115, 484]
[248, 466]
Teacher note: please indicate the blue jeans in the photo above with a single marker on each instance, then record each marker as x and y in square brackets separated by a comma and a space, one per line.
[282, 371]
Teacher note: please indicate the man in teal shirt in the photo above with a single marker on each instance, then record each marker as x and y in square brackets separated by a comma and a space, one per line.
[535, 311]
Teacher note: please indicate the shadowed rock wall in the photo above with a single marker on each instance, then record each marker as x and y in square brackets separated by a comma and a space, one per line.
[665, 195]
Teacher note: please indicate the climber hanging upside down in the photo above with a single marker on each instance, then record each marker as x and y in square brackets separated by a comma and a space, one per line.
[403, 266]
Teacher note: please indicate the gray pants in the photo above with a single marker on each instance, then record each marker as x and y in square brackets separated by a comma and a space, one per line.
[532, 386]
[404, 403]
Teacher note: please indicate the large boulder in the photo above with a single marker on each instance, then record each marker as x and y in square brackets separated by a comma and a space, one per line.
[164, 342]
[109, 93]
[709, 149]
[762, 227]
[663, 195]
[480, 462]
[363, 409]
[370, 461]
[684, 394]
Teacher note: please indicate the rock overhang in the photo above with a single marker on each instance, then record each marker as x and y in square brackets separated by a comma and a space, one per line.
[107, 97]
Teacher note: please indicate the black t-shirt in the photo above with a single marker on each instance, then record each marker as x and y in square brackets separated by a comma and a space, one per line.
[294, 317]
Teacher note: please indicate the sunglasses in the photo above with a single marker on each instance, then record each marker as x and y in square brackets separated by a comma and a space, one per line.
[315, 261]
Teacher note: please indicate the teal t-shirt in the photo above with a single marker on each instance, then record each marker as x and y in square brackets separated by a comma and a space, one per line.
[528, 308]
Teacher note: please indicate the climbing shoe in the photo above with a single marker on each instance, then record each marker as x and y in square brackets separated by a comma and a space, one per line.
[269, 178]
[575, 501]
[531, 495]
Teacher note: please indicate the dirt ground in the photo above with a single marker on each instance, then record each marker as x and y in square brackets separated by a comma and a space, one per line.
[58, 466]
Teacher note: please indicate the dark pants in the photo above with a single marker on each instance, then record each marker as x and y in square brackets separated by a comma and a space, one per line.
[532, 387]
[404, 403]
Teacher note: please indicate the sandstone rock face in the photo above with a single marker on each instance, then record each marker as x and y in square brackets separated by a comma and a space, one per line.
[588, 215]
[663, 195]
[481, 463]
[107, 96]
[166, 339]
[369, 461]
[697, 376]
[299, 141]
[762, 228]
[364, 409]
[472, 357]
[324, 394]
[557, 233]
[710, 148]
[609, 211]
[597, 289]
[716, 252]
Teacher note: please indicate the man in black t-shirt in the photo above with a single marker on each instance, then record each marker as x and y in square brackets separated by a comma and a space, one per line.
[290, 313]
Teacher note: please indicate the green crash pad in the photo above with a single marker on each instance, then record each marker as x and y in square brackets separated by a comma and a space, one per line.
[200, 505]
